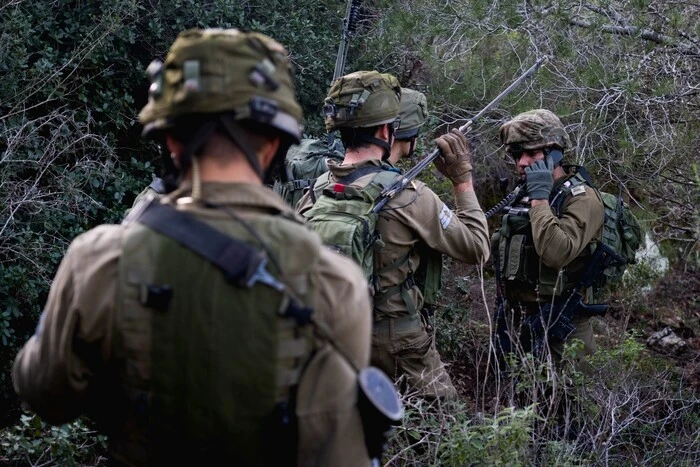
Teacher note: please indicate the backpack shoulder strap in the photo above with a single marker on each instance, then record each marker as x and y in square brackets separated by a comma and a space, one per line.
[382, 178]
[320, 184]
[557, 200]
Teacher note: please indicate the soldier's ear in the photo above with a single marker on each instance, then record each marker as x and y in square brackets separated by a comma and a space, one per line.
[175, 147]
[267, 152]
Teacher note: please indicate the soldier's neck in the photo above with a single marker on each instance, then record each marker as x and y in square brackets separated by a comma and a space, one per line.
[358, 155]
[225, 170]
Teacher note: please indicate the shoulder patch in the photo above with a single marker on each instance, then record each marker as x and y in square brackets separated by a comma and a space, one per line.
[445, 216]
[577, 190]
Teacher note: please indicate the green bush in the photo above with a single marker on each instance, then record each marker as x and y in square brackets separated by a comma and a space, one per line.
[72, 156]
[446, 434]
[33, 442]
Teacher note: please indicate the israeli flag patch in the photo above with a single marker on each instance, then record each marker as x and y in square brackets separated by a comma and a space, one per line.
[445, 216]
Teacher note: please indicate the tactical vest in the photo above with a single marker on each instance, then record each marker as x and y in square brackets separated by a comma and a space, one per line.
[522, 272]
[210, 367]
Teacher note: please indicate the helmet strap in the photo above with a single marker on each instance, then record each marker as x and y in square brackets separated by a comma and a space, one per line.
[203, 133]
[237, 135]
[169, 172]
[412, 147]
[385, 145]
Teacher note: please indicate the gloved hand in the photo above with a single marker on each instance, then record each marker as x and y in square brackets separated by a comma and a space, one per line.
[539, 180]
[455, 162]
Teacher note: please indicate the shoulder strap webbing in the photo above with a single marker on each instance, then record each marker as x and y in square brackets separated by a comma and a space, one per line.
[323, 181]
[565, 188]
[359, 173]
[241, 264]
[318, 186]
[158, 186]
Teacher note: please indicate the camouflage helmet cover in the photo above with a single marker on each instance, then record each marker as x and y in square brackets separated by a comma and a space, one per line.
[413, 114]
[362, 99]
[210, 71]
[534, 129]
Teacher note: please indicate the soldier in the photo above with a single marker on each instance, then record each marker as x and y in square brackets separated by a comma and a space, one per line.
[211, 324]
[543, 246]
[412, 116]
[364, 107]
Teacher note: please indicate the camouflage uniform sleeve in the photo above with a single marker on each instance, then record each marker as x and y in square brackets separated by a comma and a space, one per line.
[463, 236]
[558, 241]
[52, 372]
[330, 427]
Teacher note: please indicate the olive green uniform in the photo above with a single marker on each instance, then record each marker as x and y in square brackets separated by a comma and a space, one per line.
[550, 259]
[401, 345]
[84, 358]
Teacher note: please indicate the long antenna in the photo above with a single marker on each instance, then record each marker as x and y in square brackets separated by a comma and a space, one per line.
[400, 184]
[352, 12]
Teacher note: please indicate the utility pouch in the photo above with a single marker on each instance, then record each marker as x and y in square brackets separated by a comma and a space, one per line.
[380, 407]
[514, 268]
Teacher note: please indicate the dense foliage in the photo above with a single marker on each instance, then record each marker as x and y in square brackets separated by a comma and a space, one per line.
[72, 157]
[623, 75]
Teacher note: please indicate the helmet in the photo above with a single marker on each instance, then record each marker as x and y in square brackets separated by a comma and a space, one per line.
[414, 113]
[215, 71]
[362, 99]
[535, 129]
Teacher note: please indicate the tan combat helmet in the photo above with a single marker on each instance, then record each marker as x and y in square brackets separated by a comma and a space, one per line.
[362, 99]
[413, 114]
[535, 129]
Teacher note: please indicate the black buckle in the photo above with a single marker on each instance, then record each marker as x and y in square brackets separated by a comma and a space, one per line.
[299, 184]
[157, 297]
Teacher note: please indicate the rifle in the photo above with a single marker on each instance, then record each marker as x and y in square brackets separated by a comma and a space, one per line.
[555, 319]
[398, 186]
[352, 12]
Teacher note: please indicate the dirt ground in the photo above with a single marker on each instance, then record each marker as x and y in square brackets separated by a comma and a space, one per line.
[673, 302]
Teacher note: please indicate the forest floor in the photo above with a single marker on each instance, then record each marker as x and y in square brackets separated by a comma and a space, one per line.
[672, 301]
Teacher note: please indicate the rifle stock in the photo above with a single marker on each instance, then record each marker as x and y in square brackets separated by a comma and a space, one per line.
[401, 183]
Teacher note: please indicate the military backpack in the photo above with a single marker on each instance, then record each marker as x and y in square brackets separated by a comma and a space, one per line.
[303, 164]
[621, 230]
[342, 215]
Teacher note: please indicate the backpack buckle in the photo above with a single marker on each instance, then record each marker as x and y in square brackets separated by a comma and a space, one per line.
[299, 184]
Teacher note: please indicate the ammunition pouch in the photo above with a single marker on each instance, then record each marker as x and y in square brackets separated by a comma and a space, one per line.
[380, 408]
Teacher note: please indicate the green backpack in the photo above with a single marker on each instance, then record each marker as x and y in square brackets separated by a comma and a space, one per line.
[621, 232]
[303, 165]
[343, 217]
[621, 229]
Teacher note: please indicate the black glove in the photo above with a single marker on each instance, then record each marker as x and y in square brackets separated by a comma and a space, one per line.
[539, 180]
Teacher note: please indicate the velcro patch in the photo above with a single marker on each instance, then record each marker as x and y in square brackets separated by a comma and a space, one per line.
[445, 216]
[577, 190]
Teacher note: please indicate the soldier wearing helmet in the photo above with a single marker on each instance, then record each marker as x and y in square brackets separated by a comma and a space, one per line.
[365, 107]
[413, 114]
[541, 250]
[211, 324]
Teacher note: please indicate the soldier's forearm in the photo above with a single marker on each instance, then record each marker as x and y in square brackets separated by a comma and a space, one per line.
[464, 186]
